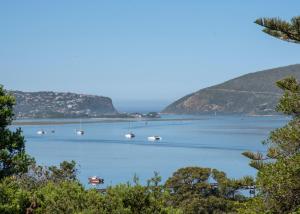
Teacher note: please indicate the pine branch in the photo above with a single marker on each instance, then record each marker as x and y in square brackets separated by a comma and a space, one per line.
[287, 31]
[253, 156]
[256, 164]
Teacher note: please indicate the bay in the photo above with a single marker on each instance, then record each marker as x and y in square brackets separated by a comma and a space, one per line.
[207, 141]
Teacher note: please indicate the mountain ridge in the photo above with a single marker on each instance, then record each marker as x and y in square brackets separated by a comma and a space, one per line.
[252, 93]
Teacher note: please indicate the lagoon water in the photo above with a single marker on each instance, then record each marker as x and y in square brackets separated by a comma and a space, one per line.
[208, 141]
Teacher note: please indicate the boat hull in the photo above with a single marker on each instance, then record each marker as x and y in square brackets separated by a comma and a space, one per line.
[154, 138]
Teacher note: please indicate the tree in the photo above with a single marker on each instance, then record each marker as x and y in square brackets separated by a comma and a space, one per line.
[283, 142]
[62, 197]
[287, 31]
[13, 199]
[40, 191]
[205, 190]
[66, 197]
[278, 179]
[279, 188]
[136, 198]
[280, 182]
[13, 159]
[38, 176]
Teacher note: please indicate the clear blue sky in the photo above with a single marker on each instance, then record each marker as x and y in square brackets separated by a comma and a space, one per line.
[137, 51]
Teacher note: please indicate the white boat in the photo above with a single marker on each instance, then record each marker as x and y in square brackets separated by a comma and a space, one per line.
[130, 135]
[154, 138]
[79, 132]
[41, 132]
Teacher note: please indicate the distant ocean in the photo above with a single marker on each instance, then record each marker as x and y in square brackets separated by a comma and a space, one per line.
[208, 141]
[141, 106]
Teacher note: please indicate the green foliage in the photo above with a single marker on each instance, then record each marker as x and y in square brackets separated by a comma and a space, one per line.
[135, 199]
[285, 141]
[279, 188]
[279, 184]
[38, 176]
[13, 159]
[190, 181]
[41, 192]
[66, 197]
[278, 179]
[66, 172]
[62, 197]
[28, 191]
[289, 102]
[287, 31]
[205, 190]
[6, 104]
[13, 199]
[253, 206]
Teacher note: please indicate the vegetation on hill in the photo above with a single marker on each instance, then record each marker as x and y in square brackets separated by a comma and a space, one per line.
[254, 93]
[48, 104]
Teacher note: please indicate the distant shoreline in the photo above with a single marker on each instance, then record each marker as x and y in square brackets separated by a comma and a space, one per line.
[102, 120]
[66, 121]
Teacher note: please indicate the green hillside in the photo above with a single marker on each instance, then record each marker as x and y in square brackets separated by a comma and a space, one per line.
[253, 93]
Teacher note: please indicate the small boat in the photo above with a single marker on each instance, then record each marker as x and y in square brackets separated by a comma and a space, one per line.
[79, 132]
[96, 180]
[154, 138]
[41, 132]
[130, 135]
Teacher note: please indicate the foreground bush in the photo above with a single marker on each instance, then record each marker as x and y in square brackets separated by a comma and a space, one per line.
[205, 190]
[42, 190]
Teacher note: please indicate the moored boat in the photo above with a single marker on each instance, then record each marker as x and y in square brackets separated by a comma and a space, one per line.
[79, 132]
[154, 138]
[95, 180]
[130, 135]
[41, 132]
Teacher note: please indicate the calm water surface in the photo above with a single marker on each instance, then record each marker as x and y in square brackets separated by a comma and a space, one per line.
[103, 151]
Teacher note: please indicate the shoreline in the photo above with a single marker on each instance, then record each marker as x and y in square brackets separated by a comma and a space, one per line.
[95, 120]
[66, 121]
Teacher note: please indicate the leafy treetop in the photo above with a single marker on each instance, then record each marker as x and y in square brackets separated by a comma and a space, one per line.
[13, 159]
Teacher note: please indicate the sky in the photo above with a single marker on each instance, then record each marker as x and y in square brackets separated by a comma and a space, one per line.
[140, 53]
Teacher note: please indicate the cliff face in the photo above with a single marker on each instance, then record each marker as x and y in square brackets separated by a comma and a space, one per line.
[254, 93]
[55, 105]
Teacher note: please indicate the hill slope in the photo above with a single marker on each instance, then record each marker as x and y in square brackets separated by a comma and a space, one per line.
[48, 104]
[254, 93]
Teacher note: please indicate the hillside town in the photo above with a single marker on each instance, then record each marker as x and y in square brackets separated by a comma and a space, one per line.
[57, 104]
